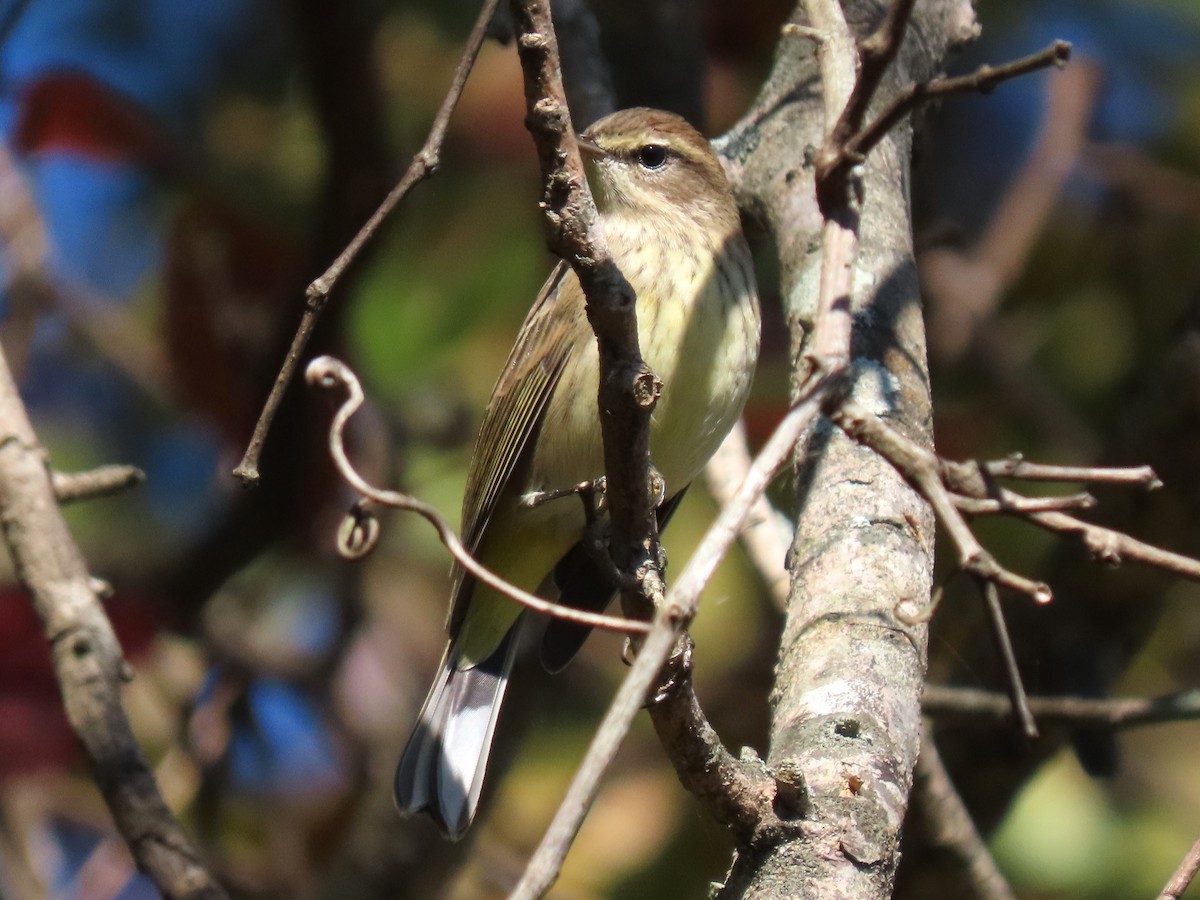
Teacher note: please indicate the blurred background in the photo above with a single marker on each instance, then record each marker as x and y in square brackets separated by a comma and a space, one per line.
[171, 177]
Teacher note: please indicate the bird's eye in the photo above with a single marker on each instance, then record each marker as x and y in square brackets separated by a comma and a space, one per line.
[652, 156]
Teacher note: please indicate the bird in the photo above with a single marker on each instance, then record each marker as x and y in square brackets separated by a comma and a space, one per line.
[674, 231]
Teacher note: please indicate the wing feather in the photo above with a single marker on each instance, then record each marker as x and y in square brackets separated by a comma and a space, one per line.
[514, 414]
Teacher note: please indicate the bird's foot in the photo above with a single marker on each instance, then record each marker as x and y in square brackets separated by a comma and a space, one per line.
[591, 492]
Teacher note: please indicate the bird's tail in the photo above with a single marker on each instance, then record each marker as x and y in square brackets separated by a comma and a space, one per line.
[442, 768]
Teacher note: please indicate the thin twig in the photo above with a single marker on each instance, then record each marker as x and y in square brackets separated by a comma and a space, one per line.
[1016, 687]
[1114, 547]
[973, 506]
[982, 81]
[1105, 544]
[1018, 467]
[876, 53]
[104, 481]
[949, 823]
[685, 591]
[1183, 876]
[768, 533]
[546, 862]
[87, 657]
[679, 607]
[944, 703]
[327, 372]
[423, 165]
[920, 467]
[839, 194]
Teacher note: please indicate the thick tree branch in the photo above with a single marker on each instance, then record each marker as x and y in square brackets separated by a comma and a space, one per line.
[845, 717]
[87, 658]
[738, 793]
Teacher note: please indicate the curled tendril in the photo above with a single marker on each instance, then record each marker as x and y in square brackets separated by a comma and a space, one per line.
[358, 532]
[328, 373]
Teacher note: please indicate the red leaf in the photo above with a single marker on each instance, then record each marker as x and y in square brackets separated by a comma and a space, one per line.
[70, 112]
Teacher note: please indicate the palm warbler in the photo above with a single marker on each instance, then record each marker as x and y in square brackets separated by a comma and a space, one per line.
[673, 230]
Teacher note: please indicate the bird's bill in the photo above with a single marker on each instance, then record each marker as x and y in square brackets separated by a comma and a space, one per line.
[589, 148]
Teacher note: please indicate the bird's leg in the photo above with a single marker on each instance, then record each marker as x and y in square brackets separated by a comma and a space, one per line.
[595, 535]
[676, 671]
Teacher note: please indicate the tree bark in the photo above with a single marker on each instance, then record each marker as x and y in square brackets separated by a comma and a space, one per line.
[845, 725]
[87, 657]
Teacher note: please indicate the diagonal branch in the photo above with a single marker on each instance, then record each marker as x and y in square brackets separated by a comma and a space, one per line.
[920, 468]
[876, 53]
[1189, 866]
[679, 607]
[982, 81]
[839, 194]
[87, 658]
[768, 533]
[949, 823]
[1008, 659]
[423, 165]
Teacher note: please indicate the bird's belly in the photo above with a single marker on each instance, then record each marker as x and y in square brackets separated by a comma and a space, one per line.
[706, 378]
[704, 353]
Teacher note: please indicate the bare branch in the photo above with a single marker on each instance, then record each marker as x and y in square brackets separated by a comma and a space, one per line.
[839, 194]
[943, 702]
[1016, 687]
[734, 791]
[423, 165]
[87, 657]
[767, 534]
[1106, 544]
[876, 53]
[571, 216]
[950, 826]
[1183, 876]
[1015, 503]
[982, 81]
[739, 793]
[327, 372]
[1017, 466]
[920, 468]
[628, 389]
[845, 701]
[685, 592]
[678, 608]
[1114, 547]
[547, 860]
[71, 487]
